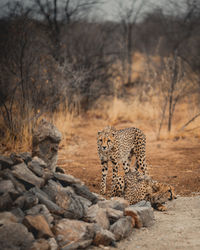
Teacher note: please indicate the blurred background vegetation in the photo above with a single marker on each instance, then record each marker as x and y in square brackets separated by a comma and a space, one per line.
[63, 59]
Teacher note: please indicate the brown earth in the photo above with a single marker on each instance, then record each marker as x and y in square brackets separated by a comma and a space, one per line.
[175, 161]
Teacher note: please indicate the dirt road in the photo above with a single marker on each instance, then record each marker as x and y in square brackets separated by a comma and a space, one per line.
[177, 228]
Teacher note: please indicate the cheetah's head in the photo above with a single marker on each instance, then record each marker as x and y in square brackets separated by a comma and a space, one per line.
[106, 139]
[166, 192]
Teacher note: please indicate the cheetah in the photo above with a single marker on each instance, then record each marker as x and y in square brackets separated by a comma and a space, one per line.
[119, 146]
[135, 187]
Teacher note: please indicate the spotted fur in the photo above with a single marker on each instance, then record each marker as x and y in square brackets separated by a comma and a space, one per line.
[119, 146]
[136, 187]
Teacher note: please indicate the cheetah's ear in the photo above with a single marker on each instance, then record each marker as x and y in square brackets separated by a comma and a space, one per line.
[99, 132]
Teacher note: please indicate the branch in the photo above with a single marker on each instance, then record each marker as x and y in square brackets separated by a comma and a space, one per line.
[191, 120]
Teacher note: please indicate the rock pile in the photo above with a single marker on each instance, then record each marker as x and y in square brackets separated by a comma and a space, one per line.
[45, 209]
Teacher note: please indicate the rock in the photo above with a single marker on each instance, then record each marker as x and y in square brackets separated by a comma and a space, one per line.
[7, 217]
[143, 216]
[44, 199]
[77, 245]
[18, 213]
[114, 214]
[46, 139]
[97, 215]
[73, 231]
[6, 186]
[26, 156]
[53, 244]
[83, 191]
[142, 204]
[5, 161]
[26, 201]
[85, 202]
[15, 236]
[38, 224]
[41, 209]
[115, 203]
[103, 237]
[22, 172]
[17, 159]
[68, 201]
[122, 228]
[66, 179]
[40, 244]
[60, 170]
[5, 202]
[37, 166]
[19, 187]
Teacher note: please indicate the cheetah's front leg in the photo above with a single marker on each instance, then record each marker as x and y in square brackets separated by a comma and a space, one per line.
[104, 164]
[115, 166]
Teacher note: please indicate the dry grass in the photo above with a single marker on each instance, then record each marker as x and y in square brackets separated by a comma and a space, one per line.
[144, 112]
[20, 143]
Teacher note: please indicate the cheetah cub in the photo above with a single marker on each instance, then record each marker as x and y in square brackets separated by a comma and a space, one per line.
[119, 146]
[136, 187]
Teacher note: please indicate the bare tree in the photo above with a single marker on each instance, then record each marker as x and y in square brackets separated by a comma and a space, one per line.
[128, 14]
[59, 13]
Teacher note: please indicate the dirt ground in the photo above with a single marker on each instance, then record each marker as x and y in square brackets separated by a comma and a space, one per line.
[174, 161]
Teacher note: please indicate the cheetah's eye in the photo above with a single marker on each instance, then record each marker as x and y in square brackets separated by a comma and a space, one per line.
[100, 140]
[109, 140]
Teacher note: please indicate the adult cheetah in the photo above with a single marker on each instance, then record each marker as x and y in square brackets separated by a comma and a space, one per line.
[135, 187]
[120, 146]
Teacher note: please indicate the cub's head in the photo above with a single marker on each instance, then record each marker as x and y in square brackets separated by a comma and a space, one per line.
[105, 139]
[165, 192]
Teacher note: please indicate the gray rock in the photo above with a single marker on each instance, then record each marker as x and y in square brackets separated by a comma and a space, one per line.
[5, 161]
[26, 156]
[97, 215]
[122, 228]
[115, 203]
[66, 179]
[26, 201]
[142, 204]
[22, 172]
[18, 213]
[44, 199]
[6, 186]
[73, 231]
[77, 245]
[37, 165]
[103, 237]
[19, 187]
[40, 244]
[7, 217]
[53, 244]
[15, 236]
[144, 215]
[68, 201]
[83, 191]
[5, 202]
[46, 139]
[114, 214]
[41, 209]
